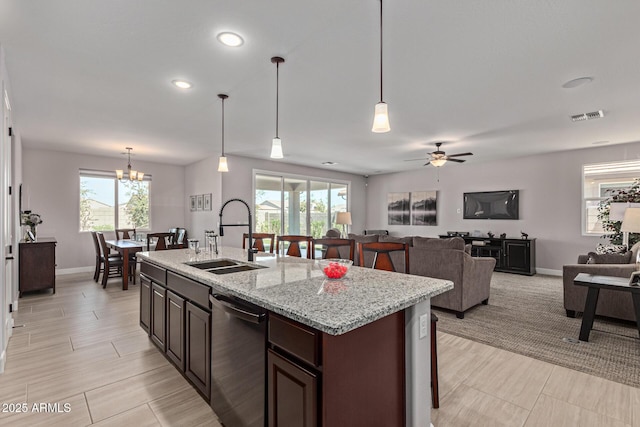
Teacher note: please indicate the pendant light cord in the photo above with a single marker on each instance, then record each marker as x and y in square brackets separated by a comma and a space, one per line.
[222, 127]
[277, 94]
[381, 51]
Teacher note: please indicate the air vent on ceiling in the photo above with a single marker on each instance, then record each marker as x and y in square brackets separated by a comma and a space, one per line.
[587, 116]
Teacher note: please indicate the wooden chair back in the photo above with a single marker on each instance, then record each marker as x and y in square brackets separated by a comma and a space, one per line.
[163, 240]
[258, 241]
[331, 247]
[125, 233]
[382, 255]
[103, 248]
[96, 244]
[178, 238]
[294, 245]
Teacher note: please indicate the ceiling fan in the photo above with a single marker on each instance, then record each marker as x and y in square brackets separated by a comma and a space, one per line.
[439, 157]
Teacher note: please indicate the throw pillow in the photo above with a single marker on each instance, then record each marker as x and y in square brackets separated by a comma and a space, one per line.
[467, 248]
[595, 258]
[610, 249]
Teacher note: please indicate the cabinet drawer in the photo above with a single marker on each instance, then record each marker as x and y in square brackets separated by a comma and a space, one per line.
[159, 275]
[295, 338]
[189, 289]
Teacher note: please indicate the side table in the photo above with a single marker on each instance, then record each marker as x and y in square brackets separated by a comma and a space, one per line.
[595, 283]
[37, 269]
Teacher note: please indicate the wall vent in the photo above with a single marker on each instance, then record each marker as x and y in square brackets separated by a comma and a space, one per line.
[587, 116]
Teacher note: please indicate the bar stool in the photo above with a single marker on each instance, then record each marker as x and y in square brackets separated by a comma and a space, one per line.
[258, 241]
[331, 247]
[294, 245]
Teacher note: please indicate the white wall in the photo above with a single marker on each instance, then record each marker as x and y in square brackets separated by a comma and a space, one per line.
[550, 198]
[51, 187]
[237, 183]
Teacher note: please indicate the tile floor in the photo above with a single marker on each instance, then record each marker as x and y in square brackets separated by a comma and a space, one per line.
[83, 347]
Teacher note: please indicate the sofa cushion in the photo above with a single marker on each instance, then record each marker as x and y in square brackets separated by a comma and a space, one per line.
[438, 244]
[610, 249]
[385, 238]
[361, 238]
[595, 258]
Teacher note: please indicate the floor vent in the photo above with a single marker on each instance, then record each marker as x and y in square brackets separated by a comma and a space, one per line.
[587, 116]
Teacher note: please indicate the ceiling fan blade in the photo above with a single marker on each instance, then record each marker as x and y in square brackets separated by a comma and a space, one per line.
[427, 164]
[412, 160]
[460, 154]
[456, 160]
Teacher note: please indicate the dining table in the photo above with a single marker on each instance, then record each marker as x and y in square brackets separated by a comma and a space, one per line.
[125, 248]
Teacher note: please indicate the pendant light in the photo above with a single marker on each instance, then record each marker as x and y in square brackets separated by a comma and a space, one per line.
[276, 144]
[381, 114]
[222, 162]
[132, 175]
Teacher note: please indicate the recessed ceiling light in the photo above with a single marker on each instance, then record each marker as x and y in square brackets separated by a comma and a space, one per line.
[230, 39]
[329, 163]
[182, 84]
[577, 82]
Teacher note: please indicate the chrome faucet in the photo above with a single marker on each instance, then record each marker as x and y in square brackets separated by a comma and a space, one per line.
[251, 250]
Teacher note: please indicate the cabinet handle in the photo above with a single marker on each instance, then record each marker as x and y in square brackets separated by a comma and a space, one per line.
[158, 293]
[172, 302]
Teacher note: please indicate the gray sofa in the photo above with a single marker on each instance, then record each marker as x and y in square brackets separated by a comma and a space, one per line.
[444, 259]
[618, 305]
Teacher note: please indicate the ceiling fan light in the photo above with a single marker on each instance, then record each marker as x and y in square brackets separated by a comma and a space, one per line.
[276, 149]
[381, 118]
[222, 164]
[438, 162]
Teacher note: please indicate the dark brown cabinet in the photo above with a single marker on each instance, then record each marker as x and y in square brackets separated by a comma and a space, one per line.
[37, 265]
[175, 329]
[293, 393]
[158, 315]
[145, 303]
[198, 347]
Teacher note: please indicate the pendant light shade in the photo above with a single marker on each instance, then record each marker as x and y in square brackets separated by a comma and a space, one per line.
[222, 162]
[132, 175]
[381, 113]
[276, 144]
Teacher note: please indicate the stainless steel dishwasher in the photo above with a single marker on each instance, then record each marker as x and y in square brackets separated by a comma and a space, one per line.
[238, 365]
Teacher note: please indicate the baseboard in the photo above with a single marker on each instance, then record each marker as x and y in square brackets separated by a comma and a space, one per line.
[65, 271]
[549, 271]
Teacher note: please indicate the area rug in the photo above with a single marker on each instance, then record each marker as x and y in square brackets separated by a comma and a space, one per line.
[526, 315]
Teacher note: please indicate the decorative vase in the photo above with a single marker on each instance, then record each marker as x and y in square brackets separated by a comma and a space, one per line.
[33, 231]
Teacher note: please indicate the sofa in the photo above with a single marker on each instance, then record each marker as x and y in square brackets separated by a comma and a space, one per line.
[447, 259]
[618, 305]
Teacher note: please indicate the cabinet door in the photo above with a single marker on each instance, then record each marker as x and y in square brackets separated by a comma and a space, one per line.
[198, 348]
[516, 255]
[145, 303]
[175, 329]
[158, 297]
[292, 393]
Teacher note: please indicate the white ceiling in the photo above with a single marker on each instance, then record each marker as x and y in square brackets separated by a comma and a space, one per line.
[94, 76]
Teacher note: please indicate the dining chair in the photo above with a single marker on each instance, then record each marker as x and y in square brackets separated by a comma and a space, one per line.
[112, 264]
[178, 238]
[162, 241]
[125, 233]
[330, 247]
[294, 245]
[383, 260]
[258, 241]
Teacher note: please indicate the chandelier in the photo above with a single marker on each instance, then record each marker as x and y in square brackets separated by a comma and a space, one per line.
[132, 175]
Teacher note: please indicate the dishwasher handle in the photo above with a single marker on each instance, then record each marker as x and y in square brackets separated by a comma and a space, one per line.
[243, 313]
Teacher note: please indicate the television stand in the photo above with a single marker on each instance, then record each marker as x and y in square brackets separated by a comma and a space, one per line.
[513, 255]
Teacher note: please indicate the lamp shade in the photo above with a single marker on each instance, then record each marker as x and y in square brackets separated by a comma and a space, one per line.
[343, 218]
[222, 164]
[276, 149]
[631, 221]
[381, 118]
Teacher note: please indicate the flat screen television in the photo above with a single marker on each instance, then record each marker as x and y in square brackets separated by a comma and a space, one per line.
[491, 205]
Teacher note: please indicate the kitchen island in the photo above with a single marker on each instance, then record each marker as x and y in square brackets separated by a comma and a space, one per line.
[343, 352]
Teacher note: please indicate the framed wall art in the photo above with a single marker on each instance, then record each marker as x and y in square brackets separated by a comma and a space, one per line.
[193, 203]
[207, 202]
[200, 201]
[423, 208]
[398, 208]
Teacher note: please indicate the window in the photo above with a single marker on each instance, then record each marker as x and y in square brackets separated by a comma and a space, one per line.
[107, 203]
[297, 205]
[600, 181]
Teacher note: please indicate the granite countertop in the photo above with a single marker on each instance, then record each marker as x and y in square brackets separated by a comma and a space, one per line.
[297, 289]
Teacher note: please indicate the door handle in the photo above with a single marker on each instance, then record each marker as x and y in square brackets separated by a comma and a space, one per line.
[234, 310]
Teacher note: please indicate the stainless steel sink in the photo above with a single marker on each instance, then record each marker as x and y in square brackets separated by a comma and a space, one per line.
[215, 263]
[223, 266]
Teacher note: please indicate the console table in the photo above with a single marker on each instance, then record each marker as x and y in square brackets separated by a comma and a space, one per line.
[595, 283]
[37, 269]
[512, 255]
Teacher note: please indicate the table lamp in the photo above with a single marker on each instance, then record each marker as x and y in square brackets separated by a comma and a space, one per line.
[631, 224]
[344, 218]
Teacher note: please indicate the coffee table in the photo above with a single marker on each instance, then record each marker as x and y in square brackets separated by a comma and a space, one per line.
[595, 283]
